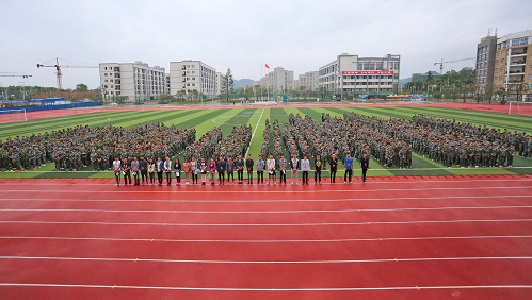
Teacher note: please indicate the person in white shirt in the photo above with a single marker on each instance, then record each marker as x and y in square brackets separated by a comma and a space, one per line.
[305, 168]
[271, 169]
[116, 169]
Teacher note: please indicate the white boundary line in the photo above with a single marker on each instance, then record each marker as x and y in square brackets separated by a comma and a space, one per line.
[199, 201]
[323, 289]
[269, 241]
[264, 224]
[350, 210]
[271, 262]
[204, 189]
[86, 182]
[253, 135]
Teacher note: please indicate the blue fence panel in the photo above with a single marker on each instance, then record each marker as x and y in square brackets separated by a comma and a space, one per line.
[34, 108]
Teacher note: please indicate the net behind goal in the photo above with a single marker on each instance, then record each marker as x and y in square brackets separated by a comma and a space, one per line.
[520, 108]
[13, 115]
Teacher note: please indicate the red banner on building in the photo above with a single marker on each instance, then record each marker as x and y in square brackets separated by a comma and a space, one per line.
[372, 72]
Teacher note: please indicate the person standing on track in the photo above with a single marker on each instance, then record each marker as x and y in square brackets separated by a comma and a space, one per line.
[334, 167]
[364, 165]
[135, 167]
[282, 169]
[159, 167]
[186, 169]
[271, 169]
[144, 170]
[194, 170]
[348, 167]
[249, 168]
[294, 165]
[168, 170]
[116, 169]
[203, 170]
[177, 169]
[151, 171]
[240, 168]
[212, 169]
[305, 168]
[220, 168]
[229, 170]
[317, 174]
[126, 169]
[260, 170]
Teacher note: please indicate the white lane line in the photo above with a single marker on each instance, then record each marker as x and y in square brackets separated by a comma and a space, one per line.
[86, 182]
[199, 201]
[272, 289]
[269, 241]
[350, 210]
[279, 189]
[253, 134]
[265, 224]
[270, 262]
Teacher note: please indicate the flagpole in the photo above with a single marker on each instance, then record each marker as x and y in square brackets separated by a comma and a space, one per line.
[261, 66]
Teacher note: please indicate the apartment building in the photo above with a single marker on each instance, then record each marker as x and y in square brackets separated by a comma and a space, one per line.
[513, 65]
[136, 81]
[279, 80]
[485, 64]
[189, 75]
[309, 80]
[350, 75]
[221, 83]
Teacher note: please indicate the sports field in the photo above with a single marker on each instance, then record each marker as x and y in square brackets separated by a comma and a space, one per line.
[397, 237]
[204, 119]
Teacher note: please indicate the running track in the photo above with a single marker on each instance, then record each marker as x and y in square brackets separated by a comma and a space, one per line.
[450, 237]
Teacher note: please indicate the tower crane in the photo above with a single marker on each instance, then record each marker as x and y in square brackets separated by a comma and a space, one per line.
[58, 67]
[441, 63]
[14, 74]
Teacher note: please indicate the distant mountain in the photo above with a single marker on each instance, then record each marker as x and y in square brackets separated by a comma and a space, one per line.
[242, 83]
[405, 81]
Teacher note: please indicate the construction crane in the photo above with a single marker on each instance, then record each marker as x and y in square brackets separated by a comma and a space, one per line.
[14, 74]
[58, 67]
[441, 63]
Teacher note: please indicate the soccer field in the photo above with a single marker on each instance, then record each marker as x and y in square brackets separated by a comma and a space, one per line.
[225, 118]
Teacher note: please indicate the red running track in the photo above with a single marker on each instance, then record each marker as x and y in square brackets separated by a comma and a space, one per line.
[451, 237]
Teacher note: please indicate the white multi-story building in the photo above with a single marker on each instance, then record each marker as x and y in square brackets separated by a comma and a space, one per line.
[191, 75]
[350, 75]
[309, 80]
[137, 81]
[279, 80]
[221, 83]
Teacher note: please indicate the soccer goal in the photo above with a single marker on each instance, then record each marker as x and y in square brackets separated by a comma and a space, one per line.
[13, 115]
[520, 108]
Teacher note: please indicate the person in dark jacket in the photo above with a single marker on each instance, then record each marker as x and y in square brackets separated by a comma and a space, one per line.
[229, 170]
[220, 168]
[249, 167]
[240, 168]
[364, 165]
[334, 167]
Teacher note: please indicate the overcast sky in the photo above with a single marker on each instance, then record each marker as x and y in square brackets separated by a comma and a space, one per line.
[242, 35]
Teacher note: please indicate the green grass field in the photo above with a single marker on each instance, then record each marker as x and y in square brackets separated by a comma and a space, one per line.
[203, 120]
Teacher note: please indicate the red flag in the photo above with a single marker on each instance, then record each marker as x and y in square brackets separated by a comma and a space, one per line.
[266, 65]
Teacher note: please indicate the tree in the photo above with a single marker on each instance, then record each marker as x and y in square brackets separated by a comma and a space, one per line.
[81, 87]
[228, 84]
[501, 92]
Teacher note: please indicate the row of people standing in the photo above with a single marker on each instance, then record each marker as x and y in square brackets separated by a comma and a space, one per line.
[147, 171]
